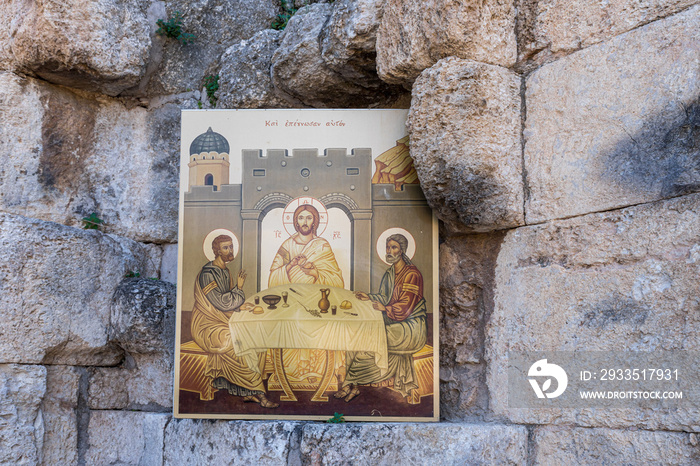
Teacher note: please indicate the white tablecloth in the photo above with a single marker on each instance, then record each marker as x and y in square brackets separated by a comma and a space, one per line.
[294, 327]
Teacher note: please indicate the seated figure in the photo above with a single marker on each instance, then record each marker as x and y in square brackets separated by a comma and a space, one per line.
[216, 298]
[400, 298]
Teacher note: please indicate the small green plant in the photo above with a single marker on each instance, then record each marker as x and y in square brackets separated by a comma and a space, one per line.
[199, 104]
[281, 20]
[336, 419]
[211, 84]
[173, 28]
[92, 222]
[132, 274]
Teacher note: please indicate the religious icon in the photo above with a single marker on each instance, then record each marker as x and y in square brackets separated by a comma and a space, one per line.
[307, 271]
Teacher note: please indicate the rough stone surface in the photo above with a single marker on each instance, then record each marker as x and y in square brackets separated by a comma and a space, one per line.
[616, 124]
[143, 383]
[414, 36]
[60, 411]
[101, 46]
[464, 395]
[57, 285]
[168, 264]
[123, 437]
[622, 280]
[143, 316]
[557, 445]
[550, 29]
[217, 25]
[468, 155]
[65, 155]
[21, 423]
[244, 79]
[386, 444]
[241, 442]
[300, 74]
[467, 269]
[348, 42]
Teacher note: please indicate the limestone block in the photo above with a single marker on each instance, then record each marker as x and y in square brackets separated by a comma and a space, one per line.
[58, 284]
[550, 29]
[190, 441]
[468, 153]
[60, 411]
[168, 263]
[107, 388]
[300, 74]
[143, 316]
[560, 445]
[422, 443]
[464, 395]
[348, 42]
[100, 46]
[414, 36]
[124, 437]
[616, 124]
[144, 383]
[21, 424]
[65, 156]
[624, 280]
[467, 268]
[217, 25]
[244, 79]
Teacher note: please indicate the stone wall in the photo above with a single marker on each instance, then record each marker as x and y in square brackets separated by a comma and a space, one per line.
[558, 142]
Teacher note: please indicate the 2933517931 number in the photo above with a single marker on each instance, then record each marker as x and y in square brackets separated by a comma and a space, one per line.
[639, 374]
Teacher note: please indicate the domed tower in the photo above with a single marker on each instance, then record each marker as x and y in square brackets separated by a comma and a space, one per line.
[209, 163]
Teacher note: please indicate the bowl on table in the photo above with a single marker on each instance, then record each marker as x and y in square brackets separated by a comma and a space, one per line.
[271, 300]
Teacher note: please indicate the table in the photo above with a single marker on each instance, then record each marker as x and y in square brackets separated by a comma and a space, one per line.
[302, 326]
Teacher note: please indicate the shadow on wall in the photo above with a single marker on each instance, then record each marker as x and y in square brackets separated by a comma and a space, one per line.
[662, 158]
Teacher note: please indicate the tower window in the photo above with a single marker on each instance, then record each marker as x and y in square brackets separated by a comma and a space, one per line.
[353, 171]
[259, 172]
[209, 180]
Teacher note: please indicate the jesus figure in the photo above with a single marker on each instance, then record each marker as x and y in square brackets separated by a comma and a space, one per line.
[305, 258]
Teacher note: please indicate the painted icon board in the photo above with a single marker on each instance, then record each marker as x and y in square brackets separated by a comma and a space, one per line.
[307, 271]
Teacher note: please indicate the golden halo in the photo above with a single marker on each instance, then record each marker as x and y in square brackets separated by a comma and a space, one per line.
[288, 214]
[381, 243]
[206, 247]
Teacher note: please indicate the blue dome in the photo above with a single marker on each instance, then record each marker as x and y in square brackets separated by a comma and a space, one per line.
[209, 142]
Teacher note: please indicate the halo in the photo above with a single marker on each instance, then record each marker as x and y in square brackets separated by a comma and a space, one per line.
[288, 214]
[381, 243]
[206, 247]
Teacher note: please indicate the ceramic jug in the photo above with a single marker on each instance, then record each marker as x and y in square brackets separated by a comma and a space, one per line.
[324, 304]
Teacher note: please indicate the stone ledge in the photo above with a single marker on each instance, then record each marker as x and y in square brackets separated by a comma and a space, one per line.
[562, 445]
[189, 441]
[124, 437]
[422, 443]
